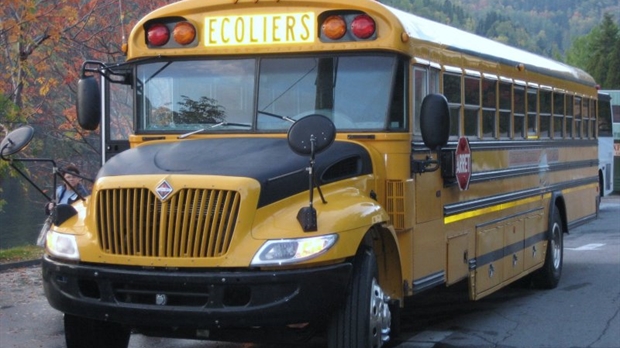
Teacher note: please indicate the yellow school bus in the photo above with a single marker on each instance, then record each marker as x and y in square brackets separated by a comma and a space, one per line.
[275, 170]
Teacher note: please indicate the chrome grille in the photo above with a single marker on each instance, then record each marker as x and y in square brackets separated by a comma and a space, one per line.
[191, 223]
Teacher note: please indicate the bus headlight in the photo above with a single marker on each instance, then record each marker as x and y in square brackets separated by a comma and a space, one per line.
[62, 245]
[287, 251]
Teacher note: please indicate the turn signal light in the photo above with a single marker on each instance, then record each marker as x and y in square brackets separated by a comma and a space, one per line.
[184, 33]
[334, 27]
[157, 35]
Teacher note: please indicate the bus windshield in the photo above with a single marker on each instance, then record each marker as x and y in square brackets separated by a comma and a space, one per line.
[268, 94]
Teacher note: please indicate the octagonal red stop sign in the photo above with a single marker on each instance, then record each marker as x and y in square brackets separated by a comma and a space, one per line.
[463, 163]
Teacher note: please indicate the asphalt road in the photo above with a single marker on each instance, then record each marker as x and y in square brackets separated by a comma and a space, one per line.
[583, 311]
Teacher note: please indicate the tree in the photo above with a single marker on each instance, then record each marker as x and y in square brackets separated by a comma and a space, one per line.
[43, 44]
[204, 110]
[605, 54]
[598, 53]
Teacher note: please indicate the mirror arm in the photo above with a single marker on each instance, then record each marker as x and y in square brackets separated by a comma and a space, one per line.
[422, 166]
[28, 179]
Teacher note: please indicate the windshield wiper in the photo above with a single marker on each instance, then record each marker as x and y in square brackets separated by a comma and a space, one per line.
[183, 136]
[231, 124]
[285, 118]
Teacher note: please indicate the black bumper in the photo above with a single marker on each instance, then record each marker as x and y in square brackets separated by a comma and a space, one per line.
[197, 298]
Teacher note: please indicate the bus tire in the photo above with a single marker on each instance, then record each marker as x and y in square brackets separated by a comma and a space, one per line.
[363, 321]
[549, 275]
[85, 332]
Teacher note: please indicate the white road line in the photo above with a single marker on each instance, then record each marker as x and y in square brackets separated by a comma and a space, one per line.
[593, 246]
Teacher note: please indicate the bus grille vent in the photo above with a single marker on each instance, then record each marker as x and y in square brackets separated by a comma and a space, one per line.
[192, 223]
[395, 203]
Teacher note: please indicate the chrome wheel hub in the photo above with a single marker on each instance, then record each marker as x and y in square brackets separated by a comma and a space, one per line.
[380, 316]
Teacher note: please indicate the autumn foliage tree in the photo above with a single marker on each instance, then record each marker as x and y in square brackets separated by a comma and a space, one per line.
[43, 44]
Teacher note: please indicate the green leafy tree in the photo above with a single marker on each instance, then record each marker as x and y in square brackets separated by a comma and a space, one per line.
[605, 54]
[598, 53]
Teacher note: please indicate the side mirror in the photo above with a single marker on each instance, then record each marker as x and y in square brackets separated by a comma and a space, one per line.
[16, 141]
[435, 127]
[311, 135]
[88, 103]
[307, 137]
[435, 121]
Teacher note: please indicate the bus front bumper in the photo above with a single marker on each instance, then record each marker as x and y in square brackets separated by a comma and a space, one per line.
[197, 298]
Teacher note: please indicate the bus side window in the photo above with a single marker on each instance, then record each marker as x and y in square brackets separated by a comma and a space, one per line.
[452, 91]
[593, 120]
[577, 117]
[586, 118]
[471, 119]
[420, 90]
[489, 108]
[532, 112]
[120, 112]
[545, 113]
[519, 112]
[398, 108]
[433, 81]
[605, 125]
[569, 117]
[505, 106]
[558, 115]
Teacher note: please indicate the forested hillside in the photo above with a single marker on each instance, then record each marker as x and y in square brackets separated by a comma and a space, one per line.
[546, 27]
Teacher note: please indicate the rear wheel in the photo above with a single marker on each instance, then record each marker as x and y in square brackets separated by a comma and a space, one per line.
[364, 319]
[84, 332]
[549, 275]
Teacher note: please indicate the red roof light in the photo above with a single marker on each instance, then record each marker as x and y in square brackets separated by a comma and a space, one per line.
[363, 26]
[158, 34]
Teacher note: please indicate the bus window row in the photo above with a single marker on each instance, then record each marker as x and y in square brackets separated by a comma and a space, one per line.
[485, 107]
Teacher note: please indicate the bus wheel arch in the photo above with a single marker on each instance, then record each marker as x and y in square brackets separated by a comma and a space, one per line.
[369, 315]
[558, 204]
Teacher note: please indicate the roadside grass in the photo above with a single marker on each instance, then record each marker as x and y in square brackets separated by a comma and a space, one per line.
[21, 253]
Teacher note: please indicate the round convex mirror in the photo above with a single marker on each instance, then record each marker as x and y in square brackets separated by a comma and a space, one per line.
[15, 141]
[302, 131]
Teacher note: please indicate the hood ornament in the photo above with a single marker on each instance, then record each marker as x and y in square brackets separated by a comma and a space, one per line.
[163, 190]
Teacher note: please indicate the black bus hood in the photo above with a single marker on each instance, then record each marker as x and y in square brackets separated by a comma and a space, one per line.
[280, 172]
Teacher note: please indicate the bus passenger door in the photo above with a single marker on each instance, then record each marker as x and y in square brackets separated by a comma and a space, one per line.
[117, 123]
[429, 246]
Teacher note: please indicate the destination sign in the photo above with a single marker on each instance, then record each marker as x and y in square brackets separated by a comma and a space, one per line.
[264, 29]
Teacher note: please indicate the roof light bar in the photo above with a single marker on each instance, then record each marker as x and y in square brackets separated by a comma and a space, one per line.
[346, 26]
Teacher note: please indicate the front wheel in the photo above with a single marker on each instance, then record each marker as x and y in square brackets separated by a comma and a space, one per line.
[84, 332]
[363, 321]
[548, 276]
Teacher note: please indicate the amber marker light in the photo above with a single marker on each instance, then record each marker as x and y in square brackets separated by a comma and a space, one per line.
[363, 26]
[158, 34]
[184, 33]
[334, 27]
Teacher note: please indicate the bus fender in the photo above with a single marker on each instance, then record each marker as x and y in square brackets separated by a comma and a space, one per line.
[362, 213]
[387, 251]
[556, 203]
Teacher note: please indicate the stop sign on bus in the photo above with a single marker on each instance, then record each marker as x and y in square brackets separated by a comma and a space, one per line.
[463, 163]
